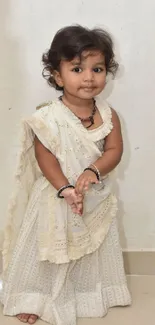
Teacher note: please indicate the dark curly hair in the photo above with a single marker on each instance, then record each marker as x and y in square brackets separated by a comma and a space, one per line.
[70, 42]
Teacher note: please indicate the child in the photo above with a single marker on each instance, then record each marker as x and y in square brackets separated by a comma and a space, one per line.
[62, 257]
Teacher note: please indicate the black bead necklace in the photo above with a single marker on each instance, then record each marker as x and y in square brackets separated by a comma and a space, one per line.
[87, 119]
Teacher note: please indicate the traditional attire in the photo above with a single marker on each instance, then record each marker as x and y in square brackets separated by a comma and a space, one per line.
[57, 264]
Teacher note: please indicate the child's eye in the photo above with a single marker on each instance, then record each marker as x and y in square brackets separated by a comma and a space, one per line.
[98, 70]
[77, 70]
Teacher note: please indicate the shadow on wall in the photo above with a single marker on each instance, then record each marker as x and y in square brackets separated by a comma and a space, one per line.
[122, 168]
[121, 171]
[11, 93]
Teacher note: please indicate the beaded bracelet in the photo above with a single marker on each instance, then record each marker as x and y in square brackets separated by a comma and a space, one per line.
[63, 188]
[94, 171]
[97, 170]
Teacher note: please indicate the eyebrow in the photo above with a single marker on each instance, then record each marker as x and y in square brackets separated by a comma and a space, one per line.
[100, 63]
[78, 62]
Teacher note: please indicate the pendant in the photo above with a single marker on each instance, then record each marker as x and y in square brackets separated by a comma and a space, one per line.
[91, 118]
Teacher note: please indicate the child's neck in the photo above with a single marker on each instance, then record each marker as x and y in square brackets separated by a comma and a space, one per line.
[78, 105]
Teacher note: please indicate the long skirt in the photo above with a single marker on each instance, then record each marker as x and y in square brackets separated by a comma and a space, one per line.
[59, 293]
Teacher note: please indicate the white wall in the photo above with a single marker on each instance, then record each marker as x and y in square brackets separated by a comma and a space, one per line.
[26, 30]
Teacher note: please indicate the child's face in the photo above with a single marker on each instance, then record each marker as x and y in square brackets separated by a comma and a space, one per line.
[85, 79]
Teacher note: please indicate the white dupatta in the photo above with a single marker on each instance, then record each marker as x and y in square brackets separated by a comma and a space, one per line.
[62, 235]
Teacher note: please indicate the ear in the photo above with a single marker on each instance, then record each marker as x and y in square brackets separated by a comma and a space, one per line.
[57, 78]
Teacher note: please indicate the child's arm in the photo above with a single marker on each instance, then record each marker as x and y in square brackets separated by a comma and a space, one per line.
[51, 169]
[49, 165]
[113, 150]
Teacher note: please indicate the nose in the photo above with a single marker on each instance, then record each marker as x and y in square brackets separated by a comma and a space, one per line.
[88, 75]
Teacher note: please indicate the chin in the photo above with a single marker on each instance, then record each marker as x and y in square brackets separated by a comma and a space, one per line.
[90, 94]
[87, 95]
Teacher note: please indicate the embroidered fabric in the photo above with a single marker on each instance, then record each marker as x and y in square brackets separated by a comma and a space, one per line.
[82, 287]
[62, 235]
[59, 293]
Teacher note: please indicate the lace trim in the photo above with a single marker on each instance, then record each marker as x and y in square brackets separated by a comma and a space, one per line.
[97, 228]
[108, 126]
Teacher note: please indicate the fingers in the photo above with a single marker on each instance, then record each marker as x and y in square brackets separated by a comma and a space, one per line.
[84, 185]
[75, 201]
[80, 208]
[77, 208]
[78, 204]
[81, 187]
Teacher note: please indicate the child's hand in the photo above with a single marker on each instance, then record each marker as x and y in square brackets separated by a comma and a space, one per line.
[84, 181]
[74, 200]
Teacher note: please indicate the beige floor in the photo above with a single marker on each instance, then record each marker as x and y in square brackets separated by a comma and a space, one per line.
[142, 311]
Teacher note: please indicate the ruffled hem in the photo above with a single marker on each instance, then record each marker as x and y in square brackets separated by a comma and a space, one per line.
[95, 304]
[75, 253]
[108, 126]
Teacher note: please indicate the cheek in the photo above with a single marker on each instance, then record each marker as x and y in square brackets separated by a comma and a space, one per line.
[72, 79]
[102, 80]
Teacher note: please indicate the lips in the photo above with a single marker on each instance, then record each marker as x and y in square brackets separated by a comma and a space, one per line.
[88, 88]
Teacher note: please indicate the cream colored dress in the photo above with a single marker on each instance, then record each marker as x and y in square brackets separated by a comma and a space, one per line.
[58, 265]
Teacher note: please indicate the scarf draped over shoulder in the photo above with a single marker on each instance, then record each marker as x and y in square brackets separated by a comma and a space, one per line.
[62, 235]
